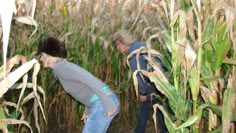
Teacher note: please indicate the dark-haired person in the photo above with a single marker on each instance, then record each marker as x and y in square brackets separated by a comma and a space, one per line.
[101, 103]
[124, 43]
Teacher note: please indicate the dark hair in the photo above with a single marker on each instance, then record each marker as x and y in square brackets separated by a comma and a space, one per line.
[53, 47]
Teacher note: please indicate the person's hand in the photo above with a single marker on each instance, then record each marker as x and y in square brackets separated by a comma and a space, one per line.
[142, 98]
[84, 117]
[111, 112]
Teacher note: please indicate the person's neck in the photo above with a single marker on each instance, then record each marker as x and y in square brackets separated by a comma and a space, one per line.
[54, 61]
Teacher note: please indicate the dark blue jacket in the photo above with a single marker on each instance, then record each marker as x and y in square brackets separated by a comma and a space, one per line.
[144, 85]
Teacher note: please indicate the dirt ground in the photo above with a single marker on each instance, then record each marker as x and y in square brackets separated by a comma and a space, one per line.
[119, 125]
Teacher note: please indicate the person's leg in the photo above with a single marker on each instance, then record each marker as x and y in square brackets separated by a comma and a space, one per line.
[98, 120]
[161, 122]
[93, 122]
[160, 118]
[143, 113]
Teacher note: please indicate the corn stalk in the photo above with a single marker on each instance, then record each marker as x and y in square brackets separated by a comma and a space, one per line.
[11, 81]
[9, 78]
[201, 64]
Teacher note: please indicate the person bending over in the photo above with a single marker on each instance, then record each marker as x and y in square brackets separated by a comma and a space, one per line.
[123, 42]
[101, 103]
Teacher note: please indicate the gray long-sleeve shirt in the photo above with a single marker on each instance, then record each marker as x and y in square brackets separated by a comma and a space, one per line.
[81, 84]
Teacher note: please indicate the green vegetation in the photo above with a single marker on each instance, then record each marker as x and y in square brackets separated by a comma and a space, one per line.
[197, 43]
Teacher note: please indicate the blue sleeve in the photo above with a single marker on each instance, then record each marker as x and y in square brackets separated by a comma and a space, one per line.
[144, 86]
[162, 67]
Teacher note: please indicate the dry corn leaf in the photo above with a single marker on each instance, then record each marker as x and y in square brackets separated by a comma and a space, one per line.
[150, 75]
[135, 52]
[190, 57]
[16, 122]
[11, 63]
[149, 41]
[34, 79]
[170, 125]
[28, 97]
[25, 79]
[157, 70]
[27, 20]
[64, 36]
[31, 6]
[36, 114]
[172, 10]
[229, 13]
[7, 7]
[212, 120]
[11, 104]
[30, 85]
[145, 32]
[135, 80]
[190, 23]
[14, 76]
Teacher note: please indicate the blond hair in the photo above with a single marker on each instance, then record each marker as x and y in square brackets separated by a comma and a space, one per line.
[122, 36]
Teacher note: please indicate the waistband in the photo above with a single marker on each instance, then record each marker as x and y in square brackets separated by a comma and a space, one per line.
[106, 89]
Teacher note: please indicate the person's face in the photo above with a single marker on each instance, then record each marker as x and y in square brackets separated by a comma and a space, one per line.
[120, 46]
[44, 58]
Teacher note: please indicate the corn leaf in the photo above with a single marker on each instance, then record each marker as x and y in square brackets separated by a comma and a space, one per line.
[215, 108]
[192, 119]
[2, 116]
[218, 130]
[166, 88]
[14, 122]
[227, 108]
[14, 76]
[169, 124]
[27, 20]
[209, 29]
[7, 7]
[221, 46]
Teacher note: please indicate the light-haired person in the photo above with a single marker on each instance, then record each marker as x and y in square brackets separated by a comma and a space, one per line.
[124, 43]
[101, 103]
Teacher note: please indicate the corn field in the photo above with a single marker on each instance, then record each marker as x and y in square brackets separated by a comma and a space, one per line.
[195, 38]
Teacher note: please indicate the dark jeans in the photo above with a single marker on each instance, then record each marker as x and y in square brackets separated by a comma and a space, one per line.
[143, 115]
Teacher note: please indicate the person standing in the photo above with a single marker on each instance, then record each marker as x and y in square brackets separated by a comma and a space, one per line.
[101, 103]
[123, 42]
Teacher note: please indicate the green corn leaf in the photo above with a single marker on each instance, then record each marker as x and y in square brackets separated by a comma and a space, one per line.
[221, 45]
[191, 120]
[209, 29]
[51, 84]
[168, 42]
[227, 108]
[167, 89]
[84, 61]
[185, 4]
[216, 109]
[194, 83]
[183, 108]
[51, 7]
[169, 125]
[218, 130]
[3, 125]
[233, 117]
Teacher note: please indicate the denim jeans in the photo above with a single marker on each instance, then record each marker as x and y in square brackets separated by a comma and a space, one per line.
[143, 115]
[98, 120]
